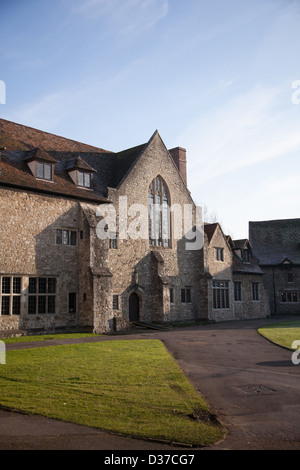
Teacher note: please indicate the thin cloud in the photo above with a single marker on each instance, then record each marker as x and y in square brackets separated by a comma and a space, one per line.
[245, 131]
[127, 16]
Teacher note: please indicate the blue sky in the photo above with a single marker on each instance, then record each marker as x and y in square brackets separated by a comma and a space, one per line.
[213, 76]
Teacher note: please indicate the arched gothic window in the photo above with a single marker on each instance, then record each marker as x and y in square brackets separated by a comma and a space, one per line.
[159, 213]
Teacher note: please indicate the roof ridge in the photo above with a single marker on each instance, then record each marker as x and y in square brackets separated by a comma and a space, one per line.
[54, 135]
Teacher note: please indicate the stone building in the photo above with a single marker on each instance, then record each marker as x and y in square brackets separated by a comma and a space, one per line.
[92, 239]
[276, 245]
[234, 278]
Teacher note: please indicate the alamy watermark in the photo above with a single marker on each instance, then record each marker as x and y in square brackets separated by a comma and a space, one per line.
[2, 353]
[2, 92]
[158, 222]
[296, 94]
[296, 354]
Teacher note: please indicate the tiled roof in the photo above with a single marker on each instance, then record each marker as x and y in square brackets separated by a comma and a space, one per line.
[25, 143]
[209, 229]
[39, 154]
[274, 241]
[241, 267]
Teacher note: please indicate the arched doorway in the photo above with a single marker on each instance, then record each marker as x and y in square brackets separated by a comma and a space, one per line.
[134, 307]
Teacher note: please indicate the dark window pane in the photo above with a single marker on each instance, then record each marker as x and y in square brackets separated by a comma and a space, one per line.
[58, 237]
[32, 285]
[16, 307]
[6, 285]
[51, 304]
[183, 295]
[42, 304]
[5, 305]
[32, 304]
[51, 285]
[42, 285]
[73, 238]
[72, 302]
[188, 296]
[16, 285]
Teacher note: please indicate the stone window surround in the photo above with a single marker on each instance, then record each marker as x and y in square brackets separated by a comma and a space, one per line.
[291, 297]
[159, 222]
[70, 236]
[47, 294]
[220, 294]
[219, 254]
[72, 301]
[11, 295]
[238, 291]
[186, 295]
[255, 292]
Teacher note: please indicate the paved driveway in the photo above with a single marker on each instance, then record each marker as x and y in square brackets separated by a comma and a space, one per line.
[251, 384]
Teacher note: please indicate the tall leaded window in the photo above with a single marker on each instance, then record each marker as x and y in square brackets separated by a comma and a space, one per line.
[159, 213]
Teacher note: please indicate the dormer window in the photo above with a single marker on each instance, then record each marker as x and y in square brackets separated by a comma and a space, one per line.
[84, 179]
[44, 171]
[41, 164]
[80, 172]
[245, 255]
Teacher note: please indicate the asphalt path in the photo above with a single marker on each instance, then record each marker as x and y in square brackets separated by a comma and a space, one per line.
[251, 384]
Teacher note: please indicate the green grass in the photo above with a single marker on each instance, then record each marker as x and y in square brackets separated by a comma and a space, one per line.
[129, 387]
[25, 339]
[283, 333]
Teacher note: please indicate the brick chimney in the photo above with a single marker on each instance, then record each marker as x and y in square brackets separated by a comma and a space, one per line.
[179, 156]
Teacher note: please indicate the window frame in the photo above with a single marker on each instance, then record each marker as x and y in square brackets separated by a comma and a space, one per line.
[186, 295]
[11, 296]
[43, 165]
[219, 254]
[42, 297]
[255, 292]
[172, 296]
[238, 291]
[287, 294]
[73, 302]
[66, 234]
[159, 214]
[221, 298]
[85, 175]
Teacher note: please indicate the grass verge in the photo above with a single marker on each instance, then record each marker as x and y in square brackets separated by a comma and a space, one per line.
[283, 333]
[26, 339]
[129, 387]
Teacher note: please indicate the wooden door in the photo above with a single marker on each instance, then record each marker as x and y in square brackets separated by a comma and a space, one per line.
[134, 307]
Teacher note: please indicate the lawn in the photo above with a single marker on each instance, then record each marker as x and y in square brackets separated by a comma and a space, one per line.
[283, 333]
[129, 387]
[25, 339]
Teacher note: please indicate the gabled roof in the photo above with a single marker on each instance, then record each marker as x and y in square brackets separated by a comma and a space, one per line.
[25, 143]
[39, 154]
[209, 229]
[274, 241]
[79, 164]
[241, 244]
